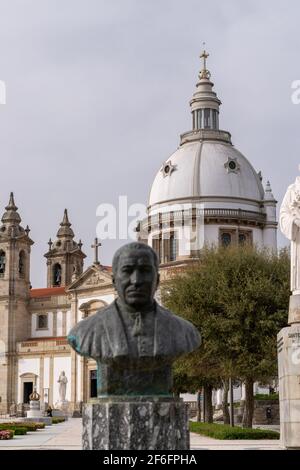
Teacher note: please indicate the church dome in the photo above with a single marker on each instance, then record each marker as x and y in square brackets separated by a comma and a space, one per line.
[206, 164]
[206, 168]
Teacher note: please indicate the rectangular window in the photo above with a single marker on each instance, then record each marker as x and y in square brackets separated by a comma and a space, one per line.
[173, 247]
[42, 322]
[206, 118]
[166, 255]
[214, 118]
[170, 247]
[157, 246]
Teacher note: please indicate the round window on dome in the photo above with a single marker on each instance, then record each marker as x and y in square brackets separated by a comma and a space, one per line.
[232, 165]
[167, 168]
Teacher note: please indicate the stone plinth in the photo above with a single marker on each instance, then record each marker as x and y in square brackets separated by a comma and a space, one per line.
[288, 343]
[34, 410]
[137, 423]
[36, 415]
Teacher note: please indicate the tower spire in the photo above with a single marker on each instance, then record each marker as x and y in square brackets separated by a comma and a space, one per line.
[65, 230]
[11, 216]
[11, 203]
[64, 257]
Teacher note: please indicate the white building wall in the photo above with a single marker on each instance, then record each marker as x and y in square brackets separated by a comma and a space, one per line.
[61, 363]
[46, 372]
[35, 333]
[68, 321]
[270, 237]
[257, 235]
[211, 234]
[59, 324]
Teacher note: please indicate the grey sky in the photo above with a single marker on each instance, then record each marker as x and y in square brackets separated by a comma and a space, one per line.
[98, 92]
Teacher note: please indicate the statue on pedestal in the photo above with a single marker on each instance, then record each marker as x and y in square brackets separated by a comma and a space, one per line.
[288, 339]
[134, 341]
[289, 221]
[62, 380]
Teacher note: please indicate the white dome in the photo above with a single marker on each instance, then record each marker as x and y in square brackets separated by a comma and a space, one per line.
[204, 169]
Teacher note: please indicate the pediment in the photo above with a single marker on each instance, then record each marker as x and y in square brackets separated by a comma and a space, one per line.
[94, 277]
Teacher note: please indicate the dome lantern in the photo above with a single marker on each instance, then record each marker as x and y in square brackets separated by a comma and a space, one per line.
[205, 103]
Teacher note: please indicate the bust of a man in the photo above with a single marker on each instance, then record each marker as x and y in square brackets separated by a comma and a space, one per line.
[134, 340]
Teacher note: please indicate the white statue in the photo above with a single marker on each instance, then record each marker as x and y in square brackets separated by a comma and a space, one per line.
[62, 386]
[289, 221]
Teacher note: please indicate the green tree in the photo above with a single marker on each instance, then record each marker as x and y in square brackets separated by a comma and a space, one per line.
[238, 299]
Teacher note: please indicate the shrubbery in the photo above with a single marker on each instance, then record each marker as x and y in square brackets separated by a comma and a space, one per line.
[265, 396]
[18, 430]
[223, 431]
[57, 420]
[6, 434]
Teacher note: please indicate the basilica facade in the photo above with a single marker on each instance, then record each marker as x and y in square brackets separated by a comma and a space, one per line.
[206, 192]
[34, 322]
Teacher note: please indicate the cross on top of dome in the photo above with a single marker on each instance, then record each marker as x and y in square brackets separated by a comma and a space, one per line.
[204, 73]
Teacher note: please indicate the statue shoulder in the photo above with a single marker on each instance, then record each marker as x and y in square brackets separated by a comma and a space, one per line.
[83, 335]
[183, 329]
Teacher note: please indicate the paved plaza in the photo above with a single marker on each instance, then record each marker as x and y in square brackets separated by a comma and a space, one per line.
[67, 436]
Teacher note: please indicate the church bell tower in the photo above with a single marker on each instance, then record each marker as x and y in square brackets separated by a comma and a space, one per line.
[64, 258]
[15, 247]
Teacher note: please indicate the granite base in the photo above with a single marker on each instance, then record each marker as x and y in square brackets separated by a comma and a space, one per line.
[139, 423]
[288, 343]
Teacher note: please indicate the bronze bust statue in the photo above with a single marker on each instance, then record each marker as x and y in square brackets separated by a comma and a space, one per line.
[134, 340]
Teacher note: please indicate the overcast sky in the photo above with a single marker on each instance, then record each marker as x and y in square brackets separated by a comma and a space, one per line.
[98, 92]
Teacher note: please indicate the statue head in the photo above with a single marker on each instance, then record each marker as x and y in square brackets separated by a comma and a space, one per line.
[135, 275]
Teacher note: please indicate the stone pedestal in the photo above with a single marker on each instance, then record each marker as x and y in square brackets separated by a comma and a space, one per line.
[35, 414]
[137, 423]
[288, 343]
[59, 414]
[63, 406]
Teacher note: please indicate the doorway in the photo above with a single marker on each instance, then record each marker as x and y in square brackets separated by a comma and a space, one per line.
[28, 389]
[93, 383]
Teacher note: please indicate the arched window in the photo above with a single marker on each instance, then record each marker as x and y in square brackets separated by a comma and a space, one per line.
[57, 274]
[226, 239]
[2, 262]
[22, 260]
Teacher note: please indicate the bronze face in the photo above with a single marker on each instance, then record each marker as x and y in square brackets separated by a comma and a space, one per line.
[136, 277]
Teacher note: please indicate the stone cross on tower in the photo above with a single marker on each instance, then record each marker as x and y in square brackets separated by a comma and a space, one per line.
[96, 246]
